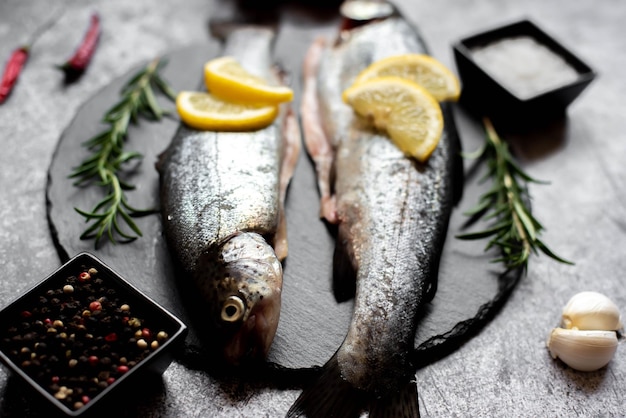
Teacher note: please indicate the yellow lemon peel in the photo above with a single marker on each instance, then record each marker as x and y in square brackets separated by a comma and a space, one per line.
[227, 79]
[420, 68]
[204, 111]
[406, 111]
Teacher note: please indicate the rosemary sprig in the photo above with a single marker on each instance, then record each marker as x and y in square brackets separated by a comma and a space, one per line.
[513, 230]
[108, 156]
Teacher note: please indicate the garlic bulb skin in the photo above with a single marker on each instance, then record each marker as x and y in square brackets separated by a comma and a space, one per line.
[586, 350]
[591, 311]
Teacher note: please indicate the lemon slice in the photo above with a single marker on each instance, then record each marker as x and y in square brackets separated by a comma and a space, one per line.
[226, 79]
[408, 112]
[204, 111]
[422, 69]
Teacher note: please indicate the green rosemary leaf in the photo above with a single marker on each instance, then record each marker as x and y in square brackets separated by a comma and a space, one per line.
[89, 215]
[97, 140]
[496, 212]
[115, 111]
[165, 88]
[130, 222]
[128, 87]
[108, 157]
[152, 105]
[482, 206]
[109, 230]
[108, 201]
[85, 170]
[126, 157]
[91, 230]
[121, 232]
[517, 170]
[513, 230]
[479, 235]
[474, 155]
[138, 212]
[551, 254]
[525, 218]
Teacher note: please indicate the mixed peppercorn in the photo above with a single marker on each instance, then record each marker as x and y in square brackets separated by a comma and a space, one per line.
[78, 339]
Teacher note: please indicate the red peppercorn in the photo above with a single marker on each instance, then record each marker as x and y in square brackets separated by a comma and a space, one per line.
[26, 314]
[93, 360]
[122, 369]
[55, 379]
[95, 306]
[112, 337]
[84, 276]
[146, 334]
[110, 380]
[85, 399]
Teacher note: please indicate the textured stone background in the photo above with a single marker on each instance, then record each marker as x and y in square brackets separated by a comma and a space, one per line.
[505, 370]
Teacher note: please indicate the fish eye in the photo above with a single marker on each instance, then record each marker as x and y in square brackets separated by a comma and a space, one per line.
[233, 309]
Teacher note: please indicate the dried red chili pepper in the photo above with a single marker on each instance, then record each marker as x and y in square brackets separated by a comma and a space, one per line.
[12, 71]
[85, 51]
[18, 59]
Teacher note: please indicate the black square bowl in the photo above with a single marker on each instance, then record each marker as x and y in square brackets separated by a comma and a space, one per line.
[83, 333]
[485, 95]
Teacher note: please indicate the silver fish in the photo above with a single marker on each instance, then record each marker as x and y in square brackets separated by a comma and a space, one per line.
[222, 203]
[392, 214]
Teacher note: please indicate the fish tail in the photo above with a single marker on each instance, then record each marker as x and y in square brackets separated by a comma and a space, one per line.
[329, 396]
[402, 404]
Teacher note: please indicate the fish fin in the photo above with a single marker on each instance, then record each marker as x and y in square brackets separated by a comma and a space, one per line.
[344, 273]
[402, 404]
[293, 145]
[317, 142]
[329, 396]
[456, 160]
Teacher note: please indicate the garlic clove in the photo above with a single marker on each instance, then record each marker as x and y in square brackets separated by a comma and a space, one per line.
[591, 311]
[584, 350]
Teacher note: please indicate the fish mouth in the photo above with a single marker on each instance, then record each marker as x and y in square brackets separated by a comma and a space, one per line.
[253, 339]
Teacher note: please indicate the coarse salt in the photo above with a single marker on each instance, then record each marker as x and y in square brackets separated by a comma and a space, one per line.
[524, 66]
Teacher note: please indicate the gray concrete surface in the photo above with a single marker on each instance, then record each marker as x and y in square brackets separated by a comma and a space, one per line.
[505, 370]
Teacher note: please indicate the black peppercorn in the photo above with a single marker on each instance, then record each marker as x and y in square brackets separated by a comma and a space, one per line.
[78, 338]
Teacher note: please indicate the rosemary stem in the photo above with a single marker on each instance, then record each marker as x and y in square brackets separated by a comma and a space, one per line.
[137, 100]
[514, 230]
[508, 183]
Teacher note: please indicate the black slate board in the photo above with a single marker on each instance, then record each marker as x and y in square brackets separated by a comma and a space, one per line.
[312, 324]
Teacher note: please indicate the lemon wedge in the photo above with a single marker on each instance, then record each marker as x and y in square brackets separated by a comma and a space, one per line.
[408, 112]
[422, 69]
[227, 79]
[204, 111]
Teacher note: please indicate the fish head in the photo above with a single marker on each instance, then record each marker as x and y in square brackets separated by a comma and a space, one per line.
[246, 296]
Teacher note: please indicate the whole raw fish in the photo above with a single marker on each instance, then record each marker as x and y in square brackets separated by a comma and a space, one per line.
[222, 204]
[392, 214]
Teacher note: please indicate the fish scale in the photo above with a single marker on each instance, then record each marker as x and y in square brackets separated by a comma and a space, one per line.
[391, 213]
[222, 203]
